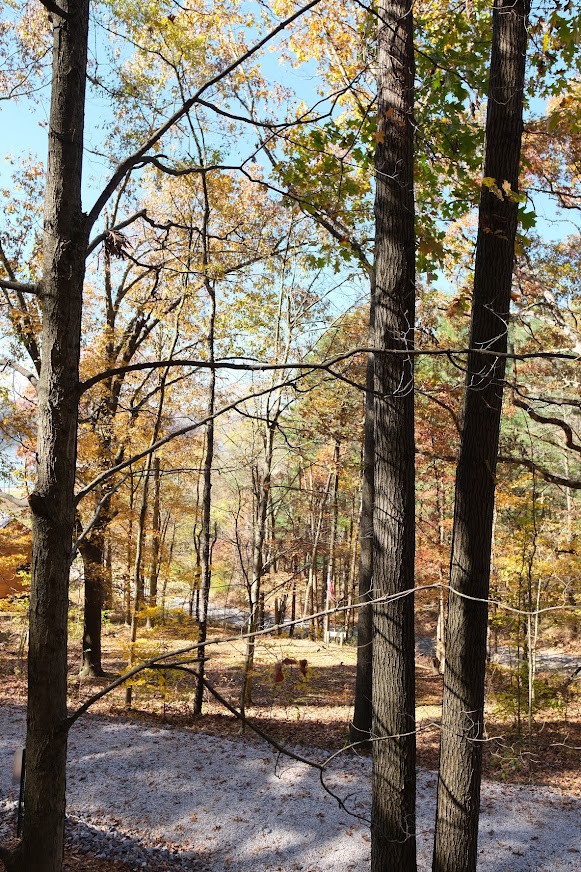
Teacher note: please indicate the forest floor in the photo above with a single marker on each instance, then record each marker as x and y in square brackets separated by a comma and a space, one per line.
[156, 775]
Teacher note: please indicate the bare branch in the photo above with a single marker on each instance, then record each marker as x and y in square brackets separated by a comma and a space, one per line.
[127, 165]
[574, 484]
[121, 679]
[55, 8]
[547, 419]
[122, 224]
[17, 367]
[18, 502]
[99, 508]
[226, 363]
[182, 431]
[22, 287]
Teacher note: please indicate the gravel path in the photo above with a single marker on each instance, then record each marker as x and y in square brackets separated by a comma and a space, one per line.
[165, 798]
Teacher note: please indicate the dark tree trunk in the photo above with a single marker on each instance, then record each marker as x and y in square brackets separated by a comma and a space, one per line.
[93, 554]
[52, 501]
[463, 703]
[362, 714]
[393, 824]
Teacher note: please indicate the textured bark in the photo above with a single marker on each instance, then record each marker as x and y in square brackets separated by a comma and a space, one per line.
[52, 501]
[462, 719]
[360, 730]
[393, 840]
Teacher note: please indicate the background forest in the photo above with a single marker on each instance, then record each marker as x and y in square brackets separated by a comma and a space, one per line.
[230, 228]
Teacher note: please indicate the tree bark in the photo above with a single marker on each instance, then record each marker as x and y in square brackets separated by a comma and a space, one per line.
[360, 730]
[257, 566]
[155, 544]
[463, 703]
[52, 502]
[393, 839]
[206, 536]
[331, 574]
[206, 541]
[92, 550]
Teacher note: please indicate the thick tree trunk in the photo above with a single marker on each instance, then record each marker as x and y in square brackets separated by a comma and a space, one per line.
[462, 718]
[52, 501]
[360, 730]
[393, 822]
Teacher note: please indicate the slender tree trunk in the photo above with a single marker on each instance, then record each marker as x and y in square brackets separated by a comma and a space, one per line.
[393, 821]
[108, 569]
[206, 537]
[129, 554]
[52, 501]
[360, 730]
[138, 585]
[329, 594]
[206, 570]
[138, 581]
[257, 567]
[155, 543]
[458, 809]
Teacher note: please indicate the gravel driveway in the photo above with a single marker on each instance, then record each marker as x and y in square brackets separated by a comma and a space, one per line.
[151, 794]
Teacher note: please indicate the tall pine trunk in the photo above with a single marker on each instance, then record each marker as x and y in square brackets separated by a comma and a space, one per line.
[52, 501]
[393, 823]
[463, 703]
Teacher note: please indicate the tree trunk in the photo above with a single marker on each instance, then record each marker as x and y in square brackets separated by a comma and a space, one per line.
[463, 703]
[331, 580]
[360, 730]
[206, 574]
[206, 537]
[257, 567]
[155, 544]
[93, 555]
[393, 823]
[52, 501]
[138, 585]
